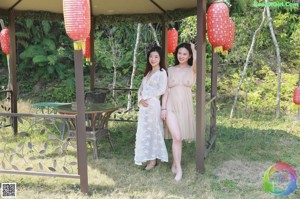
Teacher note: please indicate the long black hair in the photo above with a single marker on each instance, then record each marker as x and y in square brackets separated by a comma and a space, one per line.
[161, 62]
[186, 46]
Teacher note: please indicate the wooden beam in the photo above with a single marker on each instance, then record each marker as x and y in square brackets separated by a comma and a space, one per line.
[76, 176]
[13, 69]
[92, 52]
[80, 122]
[200, 91]
[3, 12]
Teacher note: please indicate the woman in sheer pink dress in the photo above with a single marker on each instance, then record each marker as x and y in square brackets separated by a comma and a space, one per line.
[177, 102]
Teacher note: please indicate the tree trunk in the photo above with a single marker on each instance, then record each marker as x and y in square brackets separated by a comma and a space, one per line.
[154, 34]
[247, 61]
[137, 42]
[278, 60]
[114, 63]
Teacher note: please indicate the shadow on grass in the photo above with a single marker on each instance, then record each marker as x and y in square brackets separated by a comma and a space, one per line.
[114, 174]
[233, 143]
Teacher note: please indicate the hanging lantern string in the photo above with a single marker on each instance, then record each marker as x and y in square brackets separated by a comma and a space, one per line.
[7, 57]
[2, 23]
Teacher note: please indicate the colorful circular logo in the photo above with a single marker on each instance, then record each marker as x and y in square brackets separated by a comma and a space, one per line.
[280, 179]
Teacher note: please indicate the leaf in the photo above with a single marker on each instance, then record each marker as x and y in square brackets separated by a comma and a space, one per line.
[20, 120]
[28, 169]
[39, 59]
[73, 163]
[64, 146]
[1, 151]
[14, 167]
[41, 166]
[43, 131]
[46, 26]
[54, 163]
[66, 170]
[52, 137]
[29, 145]
[19, 155]
[12, 150]
[21, 145]
[11, 157]
[46, 145]
[57, 150]
[4, 139]
[42, 152]
[25, 134]
[32, 158]
[3, 165]
[51, 169]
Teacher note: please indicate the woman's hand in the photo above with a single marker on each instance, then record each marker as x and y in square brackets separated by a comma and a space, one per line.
[144, 103]
[163, 114]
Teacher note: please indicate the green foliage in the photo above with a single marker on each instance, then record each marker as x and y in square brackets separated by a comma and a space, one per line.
[39, 41]
[262, 92]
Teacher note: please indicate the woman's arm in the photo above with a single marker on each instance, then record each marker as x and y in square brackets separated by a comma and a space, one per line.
[140, 97]
[163, 113]
[194, 66]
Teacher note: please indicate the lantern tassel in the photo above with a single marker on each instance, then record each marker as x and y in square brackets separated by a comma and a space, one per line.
[170, 55]
[78, 45]
[7, 57]
[218, 49]
[225, 52]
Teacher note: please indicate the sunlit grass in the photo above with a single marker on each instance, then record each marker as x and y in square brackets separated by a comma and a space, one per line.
[245, 147]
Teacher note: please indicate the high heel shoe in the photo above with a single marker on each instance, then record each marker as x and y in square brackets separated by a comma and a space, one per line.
[150, 166]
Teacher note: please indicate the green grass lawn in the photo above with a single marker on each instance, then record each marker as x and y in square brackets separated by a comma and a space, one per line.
[245, 148]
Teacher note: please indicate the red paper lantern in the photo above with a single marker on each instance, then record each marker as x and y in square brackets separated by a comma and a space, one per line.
[5, 40]
[77, 18]
[297, 95]
[229, 41]
[172, 40]
[86, 50]
[217, 22]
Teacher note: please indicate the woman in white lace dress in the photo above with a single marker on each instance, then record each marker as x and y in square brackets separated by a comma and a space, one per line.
[150, 144]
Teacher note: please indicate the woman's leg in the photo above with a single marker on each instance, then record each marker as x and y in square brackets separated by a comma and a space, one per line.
[176, 144]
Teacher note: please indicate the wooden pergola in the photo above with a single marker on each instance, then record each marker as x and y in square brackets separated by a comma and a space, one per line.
[143, 11]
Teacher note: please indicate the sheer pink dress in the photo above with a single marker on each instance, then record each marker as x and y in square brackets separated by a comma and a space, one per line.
[180, 100]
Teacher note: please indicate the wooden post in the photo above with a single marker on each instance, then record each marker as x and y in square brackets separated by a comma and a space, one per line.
[80, 122]
[92, 49]
[200, 92]
[13, 69]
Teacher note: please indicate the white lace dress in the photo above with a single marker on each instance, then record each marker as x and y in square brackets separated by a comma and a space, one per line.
[150, 143]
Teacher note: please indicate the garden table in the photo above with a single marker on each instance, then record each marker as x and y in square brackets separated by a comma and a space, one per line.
[97, 115]
[50, 108]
